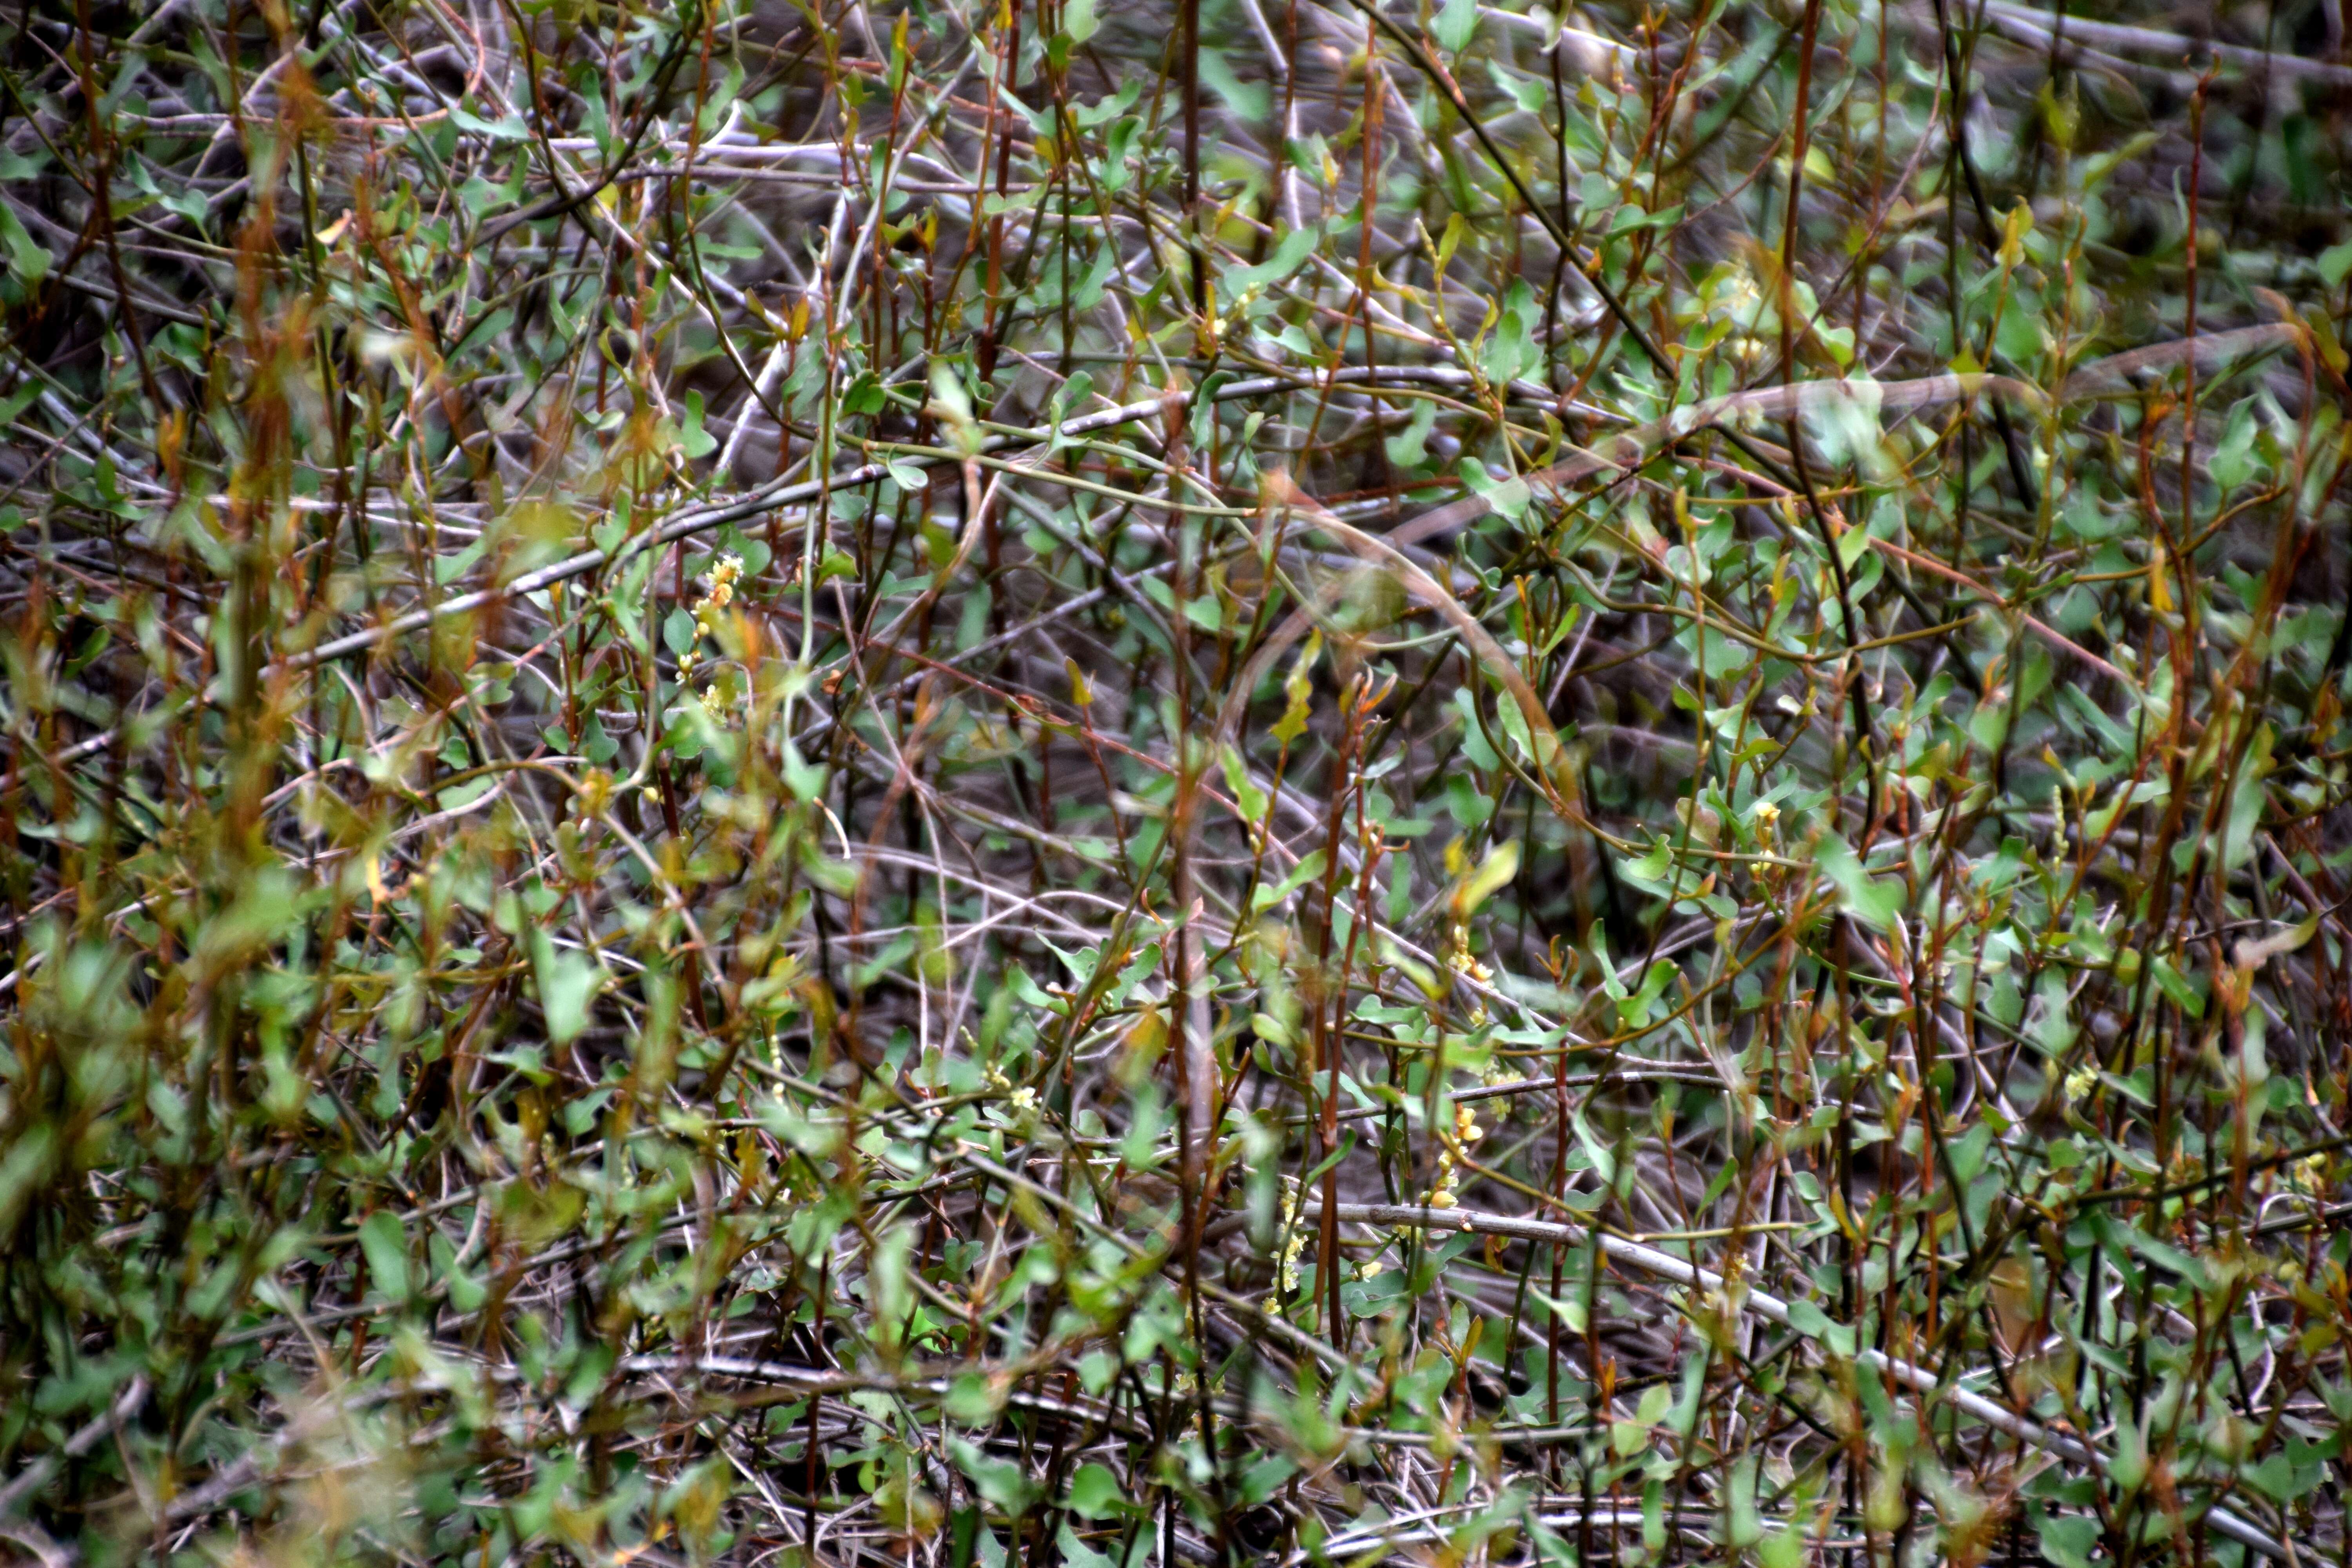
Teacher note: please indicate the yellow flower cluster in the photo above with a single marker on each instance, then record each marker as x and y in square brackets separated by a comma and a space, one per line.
[1462, 962]
[1738, 301]
[1292, 1245]
[1467, 1131]
[724, 573]
[1294, 1242]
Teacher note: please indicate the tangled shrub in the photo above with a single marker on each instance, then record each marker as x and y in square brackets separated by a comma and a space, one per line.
[1271, 783]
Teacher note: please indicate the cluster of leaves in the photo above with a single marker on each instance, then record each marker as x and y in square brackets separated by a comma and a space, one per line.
[1274, 781]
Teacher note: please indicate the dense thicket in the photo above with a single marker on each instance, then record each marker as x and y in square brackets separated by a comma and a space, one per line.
[1047, 785]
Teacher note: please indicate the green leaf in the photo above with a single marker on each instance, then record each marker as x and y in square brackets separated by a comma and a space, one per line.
[1455, 25]
[2335, 263]
[1815, 1324]
[973, 1398]
[1251, 799]
[567, 985]
[1289, 254]
[1603, 1158]
[447, 569]
[1873, 900]
[1305, 872]
[1095, 1493]
[1249, 99]
[692, 438]
[999, 1481]
[1492, 875]
[385, 1246]
[1410, 446]
[2183, 992]
[2068, 1540]
[992, 203]
[1635, 1011]
[28, 262]
[1510, 349]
